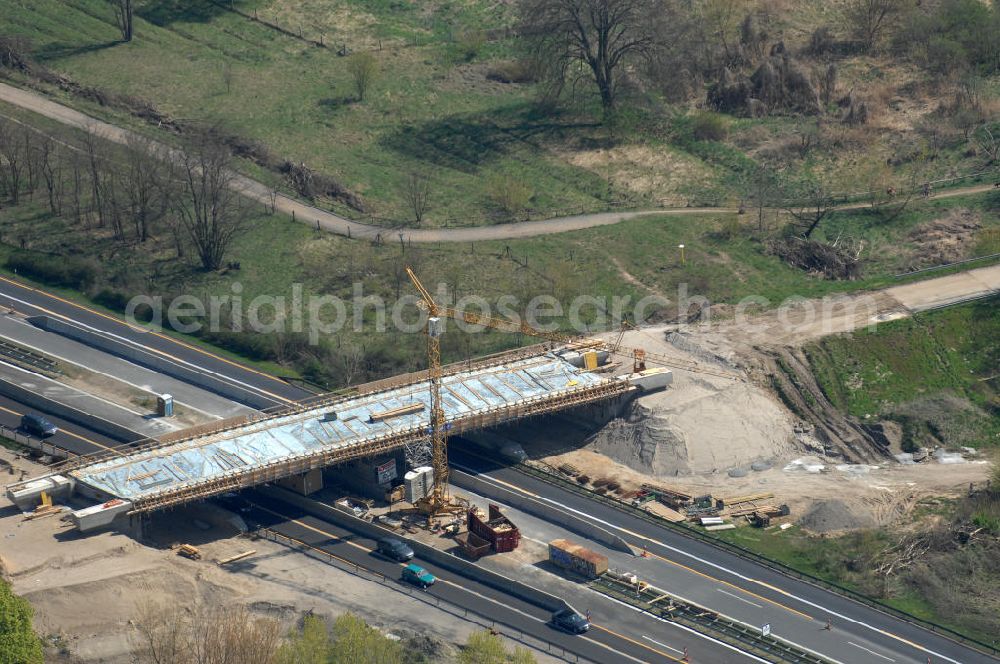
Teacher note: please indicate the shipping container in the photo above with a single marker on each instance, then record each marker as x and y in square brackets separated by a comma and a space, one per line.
[577, 559]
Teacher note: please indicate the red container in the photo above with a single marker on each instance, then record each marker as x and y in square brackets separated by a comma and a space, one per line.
[497, 529]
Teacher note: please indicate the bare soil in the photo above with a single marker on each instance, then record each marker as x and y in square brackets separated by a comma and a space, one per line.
[85, 590]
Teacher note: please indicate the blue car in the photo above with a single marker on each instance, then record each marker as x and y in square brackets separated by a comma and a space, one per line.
[418, 576]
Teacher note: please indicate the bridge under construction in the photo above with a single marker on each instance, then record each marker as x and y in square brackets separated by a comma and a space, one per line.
[374, 419]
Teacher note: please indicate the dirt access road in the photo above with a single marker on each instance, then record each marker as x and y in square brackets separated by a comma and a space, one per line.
[334, 223]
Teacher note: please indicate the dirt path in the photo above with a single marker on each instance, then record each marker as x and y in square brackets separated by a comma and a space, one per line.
[334, 223]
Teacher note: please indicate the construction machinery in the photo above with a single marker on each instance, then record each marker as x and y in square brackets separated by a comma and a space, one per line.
[438, 500]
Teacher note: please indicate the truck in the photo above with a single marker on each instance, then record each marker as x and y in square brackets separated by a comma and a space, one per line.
[578, 559]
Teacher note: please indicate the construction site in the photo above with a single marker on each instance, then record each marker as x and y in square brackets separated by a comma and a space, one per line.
[567, 476]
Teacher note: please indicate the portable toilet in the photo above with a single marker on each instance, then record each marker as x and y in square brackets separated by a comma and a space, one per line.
[165, 405]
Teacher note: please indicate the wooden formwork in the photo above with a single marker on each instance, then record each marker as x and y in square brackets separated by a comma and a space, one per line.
[243, 478]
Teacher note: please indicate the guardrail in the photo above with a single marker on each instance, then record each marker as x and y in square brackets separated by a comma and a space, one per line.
[945, 266]
[484, 620]
[36, 444]
[737, 634]
[755, 557]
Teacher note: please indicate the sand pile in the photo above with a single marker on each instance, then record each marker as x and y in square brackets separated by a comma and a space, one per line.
[698, 426]
[828, 516]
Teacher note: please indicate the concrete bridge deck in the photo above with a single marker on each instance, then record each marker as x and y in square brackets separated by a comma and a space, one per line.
[331, 431]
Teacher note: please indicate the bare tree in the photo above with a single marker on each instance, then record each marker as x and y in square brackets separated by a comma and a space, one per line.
[868, 19]
[11, 162]
[600, 36]
[93, 150]
[50, 166]
[363, 68]
[146, 185]
[809, 202]
[173, 635]
[987, 140]
[208, 204]
[418, 189]
[123, 17]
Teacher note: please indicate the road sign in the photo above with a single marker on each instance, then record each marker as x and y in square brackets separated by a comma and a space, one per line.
[765, 630]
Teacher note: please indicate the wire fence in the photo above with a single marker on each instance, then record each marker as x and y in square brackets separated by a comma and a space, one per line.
[730, 202]
[483, 619]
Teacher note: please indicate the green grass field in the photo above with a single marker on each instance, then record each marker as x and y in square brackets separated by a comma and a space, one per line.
[936, 373]
[432, 109]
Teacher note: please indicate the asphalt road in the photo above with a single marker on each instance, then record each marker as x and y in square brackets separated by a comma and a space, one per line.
[865, 634]
[70, 436]
[618, 634]
[33, 302]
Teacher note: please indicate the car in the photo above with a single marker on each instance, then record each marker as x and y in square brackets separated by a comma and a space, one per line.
[390, 547]
[418, 576]
[37, 425]
[571, 621]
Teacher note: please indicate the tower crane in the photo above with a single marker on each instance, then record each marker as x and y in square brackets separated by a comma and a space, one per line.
[438, 500]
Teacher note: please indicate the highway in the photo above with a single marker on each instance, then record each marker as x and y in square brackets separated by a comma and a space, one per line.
[71, 437]
[618, 635]
[34, 302]
[858, 634]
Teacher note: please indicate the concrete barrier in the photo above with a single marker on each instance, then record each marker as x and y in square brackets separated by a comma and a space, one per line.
[539, 509]
[154, 361]
[441, 558]
[37, 444]
[92, 422]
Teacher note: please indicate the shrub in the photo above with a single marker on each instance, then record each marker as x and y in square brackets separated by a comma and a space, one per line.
[707, 126]
[18, 643]
[510, 194]
[469, 43]
[66, 271]
[517, 71]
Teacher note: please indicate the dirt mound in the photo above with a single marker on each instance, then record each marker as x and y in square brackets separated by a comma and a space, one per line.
[944, 240]
[697, 426]
[828, 516]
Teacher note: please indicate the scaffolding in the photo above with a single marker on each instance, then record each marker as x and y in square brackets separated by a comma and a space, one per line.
[244, 478]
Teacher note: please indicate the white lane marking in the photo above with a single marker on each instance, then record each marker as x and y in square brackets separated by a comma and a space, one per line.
[145, 388]
[662, 645]
[148, 349]
[686, 629]
[681, 552]
[852, 643]
[734, 596]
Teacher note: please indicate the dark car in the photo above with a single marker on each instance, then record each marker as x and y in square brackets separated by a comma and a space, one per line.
[571, 621]
[391, 547]
[418, 576]
[38, 425]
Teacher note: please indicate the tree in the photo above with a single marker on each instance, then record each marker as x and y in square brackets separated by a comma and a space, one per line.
[356, 642]
[364, 69]
[208, 205]
[179, 635]
[603, 37]
[484, 647]
[12, 162]
[308, 645]
[18, 643]
[418, 189]
[760, 187]
[809, 201]
[123, 17]
[868, 19]
[147, 173]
